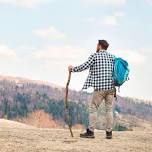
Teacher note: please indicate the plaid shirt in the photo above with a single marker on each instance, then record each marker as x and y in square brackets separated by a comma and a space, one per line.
[100, 65]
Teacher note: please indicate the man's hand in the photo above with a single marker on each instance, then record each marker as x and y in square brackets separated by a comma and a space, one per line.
[70, 67]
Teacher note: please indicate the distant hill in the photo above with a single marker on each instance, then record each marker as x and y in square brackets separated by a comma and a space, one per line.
[19, 97]
[54, 91]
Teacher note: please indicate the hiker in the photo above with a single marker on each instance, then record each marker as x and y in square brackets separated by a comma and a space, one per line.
[100, 65]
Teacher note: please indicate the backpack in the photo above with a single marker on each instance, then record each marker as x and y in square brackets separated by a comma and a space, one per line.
[120, 71]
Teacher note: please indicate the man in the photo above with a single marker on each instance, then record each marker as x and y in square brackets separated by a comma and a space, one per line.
[100, 65]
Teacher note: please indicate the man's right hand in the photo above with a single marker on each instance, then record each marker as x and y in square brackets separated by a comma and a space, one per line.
[70, 68]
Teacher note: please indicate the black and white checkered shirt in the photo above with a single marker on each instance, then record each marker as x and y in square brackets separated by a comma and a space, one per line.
[100, 65]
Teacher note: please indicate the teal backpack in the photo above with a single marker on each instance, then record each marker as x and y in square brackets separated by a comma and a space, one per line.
[120, 72]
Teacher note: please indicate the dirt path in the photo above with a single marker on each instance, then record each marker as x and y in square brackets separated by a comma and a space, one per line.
[16, 137]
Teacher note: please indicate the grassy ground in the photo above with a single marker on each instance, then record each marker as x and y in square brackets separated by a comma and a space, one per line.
[16, 137]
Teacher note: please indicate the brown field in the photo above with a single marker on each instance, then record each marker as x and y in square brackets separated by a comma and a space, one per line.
[17, 137]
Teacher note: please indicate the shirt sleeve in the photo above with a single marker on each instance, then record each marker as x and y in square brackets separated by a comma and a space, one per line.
[85, 65]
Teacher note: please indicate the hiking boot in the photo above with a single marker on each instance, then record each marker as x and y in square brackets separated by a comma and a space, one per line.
[109, 134]
[87, 134]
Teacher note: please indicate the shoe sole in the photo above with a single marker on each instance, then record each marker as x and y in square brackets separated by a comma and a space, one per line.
[91, 137]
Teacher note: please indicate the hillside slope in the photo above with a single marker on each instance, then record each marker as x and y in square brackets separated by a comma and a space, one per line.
[20, 96]
[17, 137]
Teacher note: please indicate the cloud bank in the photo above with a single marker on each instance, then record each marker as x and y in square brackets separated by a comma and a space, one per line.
[23, 3]
[105, 2]
[49, 33]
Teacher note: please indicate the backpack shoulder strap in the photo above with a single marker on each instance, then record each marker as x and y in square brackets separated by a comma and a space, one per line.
[113, 56]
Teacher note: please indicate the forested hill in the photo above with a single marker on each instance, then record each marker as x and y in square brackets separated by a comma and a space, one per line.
[19, 96]
[11, 85]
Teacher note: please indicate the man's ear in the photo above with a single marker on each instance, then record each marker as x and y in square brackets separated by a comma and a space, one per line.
[97, 49]
[100, 47]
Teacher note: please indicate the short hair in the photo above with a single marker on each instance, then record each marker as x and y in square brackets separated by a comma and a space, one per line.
[104, 44]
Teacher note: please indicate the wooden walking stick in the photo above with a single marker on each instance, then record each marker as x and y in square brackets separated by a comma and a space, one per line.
[67, 116]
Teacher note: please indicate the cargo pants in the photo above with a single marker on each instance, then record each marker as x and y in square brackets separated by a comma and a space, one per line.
[98, 97]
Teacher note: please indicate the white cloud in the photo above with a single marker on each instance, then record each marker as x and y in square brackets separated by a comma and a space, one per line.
[119, 14]
[149, 2]
[113, 20]
[54, 61]
[91, 19]
[50, 33]
[23, 3]
[7, 53]
[134, 57]
[59, 53]
[105, 2]
[110, 20]
[65, 54]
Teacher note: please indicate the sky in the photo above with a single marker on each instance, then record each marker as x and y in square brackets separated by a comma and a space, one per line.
[40, 38]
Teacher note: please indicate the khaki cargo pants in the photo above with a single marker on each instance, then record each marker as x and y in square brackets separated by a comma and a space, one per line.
[97, 98]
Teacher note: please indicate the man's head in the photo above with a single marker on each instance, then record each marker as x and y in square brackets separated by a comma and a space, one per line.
[102, 45]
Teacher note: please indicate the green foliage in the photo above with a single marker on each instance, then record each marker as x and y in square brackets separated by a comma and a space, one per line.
[117, 108]
[118, 127]
[18, 101]
[5, 108]
[78, 112]
[20, 106]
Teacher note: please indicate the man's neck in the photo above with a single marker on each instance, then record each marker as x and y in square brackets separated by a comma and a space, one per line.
[101, 50]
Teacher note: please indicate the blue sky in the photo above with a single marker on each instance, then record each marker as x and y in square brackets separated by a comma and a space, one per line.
[40, 38]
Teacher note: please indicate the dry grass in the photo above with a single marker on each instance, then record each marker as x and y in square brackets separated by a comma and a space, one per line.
[40, 119]
[17, 137]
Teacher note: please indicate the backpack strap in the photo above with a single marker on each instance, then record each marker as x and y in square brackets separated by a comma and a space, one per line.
[115, 93]
[113, 56]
